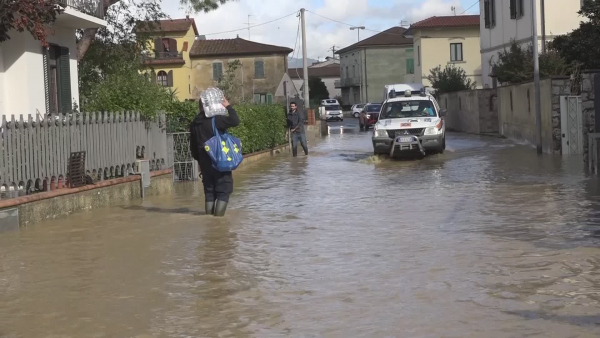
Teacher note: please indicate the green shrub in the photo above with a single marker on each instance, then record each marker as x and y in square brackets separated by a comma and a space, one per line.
[180, 114]
[262, 126]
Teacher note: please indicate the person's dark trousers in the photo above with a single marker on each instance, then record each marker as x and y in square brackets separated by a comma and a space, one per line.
[299, 137]
[218, 186]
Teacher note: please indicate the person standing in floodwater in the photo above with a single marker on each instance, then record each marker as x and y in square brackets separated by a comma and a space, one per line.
[218, 185]
[295, 121]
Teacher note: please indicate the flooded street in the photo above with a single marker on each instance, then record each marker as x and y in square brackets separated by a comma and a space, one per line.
[486, 240]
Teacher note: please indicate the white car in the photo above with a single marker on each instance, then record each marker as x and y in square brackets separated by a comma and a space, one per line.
[410, 123]
[334, 113]
[356, 109]
[330, 102]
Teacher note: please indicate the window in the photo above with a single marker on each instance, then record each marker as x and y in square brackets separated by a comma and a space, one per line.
[162, 79]
[263, 98]
[490, 13]
[456, 52]
[516, 9]
[259, 69]
[217, 71]
[347, 72]
[354, 70]
[165, 47]
[410, 66]
[57, 79]
[418, 55]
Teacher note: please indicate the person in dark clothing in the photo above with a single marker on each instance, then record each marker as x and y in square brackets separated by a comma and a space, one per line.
[295, 120]
[218, 185]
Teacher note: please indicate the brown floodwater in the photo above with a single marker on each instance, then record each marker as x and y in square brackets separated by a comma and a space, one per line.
[487, 240]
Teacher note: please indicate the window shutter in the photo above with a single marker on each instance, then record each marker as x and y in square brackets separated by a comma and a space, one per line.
[269, 98]
[513, 9]
[170, 79]
[46, 55]
[217, 71]
[486, 13]
[521, 8]
[185, 46]
[493, 13]
[259, 69]
[256, 98]
[173, 46]
[65, 80]
[158, 46]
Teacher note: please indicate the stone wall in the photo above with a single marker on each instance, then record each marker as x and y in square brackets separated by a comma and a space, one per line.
[561, 86]
[471, 111]
[589, 104]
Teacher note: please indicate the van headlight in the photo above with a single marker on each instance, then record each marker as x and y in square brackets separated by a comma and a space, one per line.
[432, 131]
[381, 133]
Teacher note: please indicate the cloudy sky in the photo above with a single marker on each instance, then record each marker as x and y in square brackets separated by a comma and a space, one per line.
[322, 33]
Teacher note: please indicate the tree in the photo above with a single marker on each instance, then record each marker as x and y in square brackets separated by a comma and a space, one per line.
[116, 12]
[33, 16]
[228, 84]
[580, 47]
[317, 89]
[515, 65]
[450, 79]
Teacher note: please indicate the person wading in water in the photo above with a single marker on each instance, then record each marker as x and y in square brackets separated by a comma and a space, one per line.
[218, 186]
[295, 120]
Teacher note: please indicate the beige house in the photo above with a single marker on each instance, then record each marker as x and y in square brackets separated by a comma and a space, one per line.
[262, 71]
[504, 21]
[370, 64]
[447, 40]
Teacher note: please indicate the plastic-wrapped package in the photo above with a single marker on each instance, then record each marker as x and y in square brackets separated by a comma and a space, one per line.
[211, 100]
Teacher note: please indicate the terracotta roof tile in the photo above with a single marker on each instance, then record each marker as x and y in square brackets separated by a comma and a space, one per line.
[391, 37]
[171, 25]
[236, 46]
[448, 21]
[327, 71]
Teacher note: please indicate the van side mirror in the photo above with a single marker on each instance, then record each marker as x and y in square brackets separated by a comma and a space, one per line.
[392, 94]
[443, 112]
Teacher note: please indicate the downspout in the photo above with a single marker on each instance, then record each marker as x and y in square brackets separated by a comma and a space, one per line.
[543, 15]
[366, 81]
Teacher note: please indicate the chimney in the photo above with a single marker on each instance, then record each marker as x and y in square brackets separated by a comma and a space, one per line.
[200, 37]
[187, 17]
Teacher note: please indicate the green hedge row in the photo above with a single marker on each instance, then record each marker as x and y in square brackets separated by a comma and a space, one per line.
[262, 126]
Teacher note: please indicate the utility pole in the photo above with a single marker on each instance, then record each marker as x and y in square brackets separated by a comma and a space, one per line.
[305, 61]
[536, 78]
[333, 49]
[543, 15]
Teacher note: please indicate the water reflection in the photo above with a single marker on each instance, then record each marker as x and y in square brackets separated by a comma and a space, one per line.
[486, 240]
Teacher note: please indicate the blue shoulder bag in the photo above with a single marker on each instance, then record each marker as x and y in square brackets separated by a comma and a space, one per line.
[224, 150]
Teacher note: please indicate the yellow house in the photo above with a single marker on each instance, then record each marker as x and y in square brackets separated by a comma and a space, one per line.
[446, 40]
[258, 78]
[169, 57]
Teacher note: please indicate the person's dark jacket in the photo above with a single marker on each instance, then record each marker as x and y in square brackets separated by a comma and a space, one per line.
[295, 121]
[201, 130]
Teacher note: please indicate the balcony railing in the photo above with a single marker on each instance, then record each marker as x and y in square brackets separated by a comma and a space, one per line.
[348, 82]
[163, 58]
[168, 55]
[90, 7]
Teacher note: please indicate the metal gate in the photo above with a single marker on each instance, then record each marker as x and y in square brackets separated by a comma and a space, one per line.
[571, 118]
[185, 168]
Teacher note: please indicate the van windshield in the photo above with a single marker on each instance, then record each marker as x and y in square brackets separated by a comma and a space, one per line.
[404, 109]
[335, 107]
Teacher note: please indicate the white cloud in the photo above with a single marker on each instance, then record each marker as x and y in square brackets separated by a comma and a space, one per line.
[321, 33]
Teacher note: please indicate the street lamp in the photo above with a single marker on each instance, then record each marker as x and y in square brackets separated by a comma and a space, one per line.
[358, 28]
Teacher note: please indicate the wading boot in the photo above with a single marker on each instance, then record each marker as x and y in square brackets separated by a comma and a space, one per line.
[210, 207]
[220, 208]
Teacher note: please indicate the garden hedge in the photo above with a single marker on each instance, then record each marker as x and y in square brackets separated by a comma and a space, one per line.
[262, 127]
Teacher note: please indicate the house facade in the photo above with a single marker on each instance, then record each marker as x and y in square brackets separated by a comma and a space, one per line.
[368, 65]
[447, 40]
[329, 73]
[505, 21]
[259, 76]
[169, 58]
[44, 80]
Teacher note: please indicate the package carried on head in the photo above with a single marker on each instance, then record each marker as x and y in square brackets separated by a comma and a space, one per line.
[212, 99]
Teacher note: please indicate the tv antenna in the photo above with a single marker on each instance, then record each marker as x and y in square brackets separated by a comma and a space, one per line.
[249, 23]
[453, 9]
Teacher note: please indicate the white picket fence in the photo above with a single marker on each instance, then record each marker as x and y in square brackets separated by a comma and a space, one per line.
[34, 152]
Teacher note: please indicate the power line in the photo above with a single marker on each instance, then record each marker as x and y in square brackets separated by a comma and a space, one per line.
[258, 25]
[350, 25]
[296, 42]
[473, 5]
